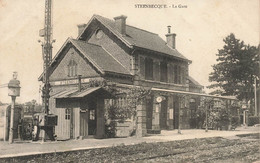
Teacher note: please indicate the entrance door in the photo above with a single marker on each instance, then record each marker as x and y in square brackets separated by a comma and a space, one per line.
[176, 112]
[163, 115]
[84, 123]
[149, 113]
[92, 119]
[193, 117]
[71, 123]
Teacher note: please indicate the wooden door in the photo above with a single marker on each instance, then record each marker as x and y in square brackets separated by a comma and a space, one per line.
[149, 113]
[84, 123]
[163, 115]
[92, 122]
[71, 123]
[92, 118]
[176, 112]
[193, 117]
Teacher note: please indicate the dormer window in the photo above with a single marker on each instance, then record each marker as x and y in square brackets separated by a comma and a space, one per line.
[72, 68]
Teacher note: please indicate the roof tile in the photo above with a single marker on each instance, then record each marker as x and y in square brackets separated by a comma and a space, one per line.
[142, 38]
[100, 57]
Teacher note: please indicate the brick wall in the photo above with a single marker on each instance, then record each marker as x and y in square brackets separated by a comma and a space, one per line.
[83, 67]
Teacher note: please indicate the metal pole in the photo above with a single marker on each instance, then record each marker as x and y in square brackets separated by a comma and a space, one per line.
[11, 132]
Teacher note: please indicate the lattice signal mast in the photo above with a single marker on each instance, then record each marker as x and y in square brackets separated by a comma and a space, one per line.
[46, 32]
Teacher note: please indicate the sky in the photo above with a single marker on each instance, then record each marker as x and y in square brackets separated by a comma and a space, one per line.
[200, 29]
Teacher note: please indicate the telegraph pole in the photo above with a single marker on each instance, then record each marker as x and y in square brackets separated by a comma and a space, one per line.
[46, 32]
[47, 53]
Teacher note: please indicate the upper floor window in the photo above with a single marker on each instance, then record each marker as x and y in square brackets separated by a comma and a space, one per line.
[177, 74]
[163, 72]
[72, 68]
[153, 69]
[148, 68]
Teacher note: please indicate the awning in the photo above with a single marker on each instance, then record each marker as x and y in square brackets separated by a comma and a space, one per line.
[64, 93]
[75, 93]
[193, 93]
[182, 92]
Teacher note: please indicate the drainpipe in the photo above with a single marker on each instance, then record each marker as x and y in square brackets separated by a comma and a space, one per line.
[79, 83]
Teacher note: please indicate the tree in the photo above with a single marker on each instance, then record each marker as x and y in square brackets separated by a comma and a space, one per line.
[237, 67]
[33, 106]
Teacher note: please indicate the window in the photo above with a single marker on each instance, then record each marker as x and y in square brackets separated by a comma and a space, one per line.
[99, 34]
[72, 68]
[67, 113]
[163, 71]
[92, 114]
[177, 74]
[170, 73]
[148, 68]
[142, 66]
[156, 70]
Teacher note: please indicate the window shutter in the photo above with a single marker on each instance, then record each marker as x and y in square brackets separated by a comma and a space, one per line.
[149, 68]
[163, 71]
[175, 74]
[179, 74]
[156, 71]
[142, 66]
[170, 73]
[183, 75]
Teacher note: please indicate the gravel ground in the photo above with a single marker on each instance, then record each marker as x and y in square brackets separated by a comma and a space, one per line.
[215, 149]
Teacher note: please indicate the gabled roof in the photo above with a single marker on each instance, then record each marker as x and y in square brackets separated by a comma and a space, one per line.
[136, 37]
[99, 57]
[96, 55]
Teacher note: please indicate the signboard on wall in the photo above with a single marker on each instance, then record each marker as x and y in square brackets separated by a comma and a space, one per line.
[157, 108]
[171, 113]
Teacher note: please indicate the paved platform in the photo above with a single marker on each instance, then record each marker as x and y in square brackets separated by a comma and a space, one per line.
[30, 148]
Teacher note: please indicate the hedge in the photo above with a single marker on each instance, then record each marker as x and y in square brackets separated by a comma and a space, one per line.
[252, 120]
[235, 120]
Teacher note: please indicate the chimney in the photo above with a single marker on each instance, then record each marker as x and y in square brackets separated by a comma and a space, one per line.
[81, 27]
[170, 38]
[121, 24]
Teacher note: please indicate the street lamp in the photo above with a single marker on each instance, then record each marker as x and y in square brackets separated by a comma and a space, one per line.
[13, 91]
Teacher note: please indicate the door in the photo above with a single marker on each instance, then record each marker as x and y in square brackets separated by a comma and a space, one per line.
[149, 113]
[83, 123]
[163, 115]
[71, 123]
[92, 118]
[176, 112]
[193, 117]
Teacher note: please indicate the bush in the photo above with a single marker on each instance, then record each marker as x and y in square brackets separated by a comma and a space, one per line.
[110, 129]
[235, 120]
[252, 120]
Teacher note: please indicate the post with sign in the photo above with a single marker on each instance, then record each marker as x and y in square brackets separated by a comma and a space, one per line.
[13, 91]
